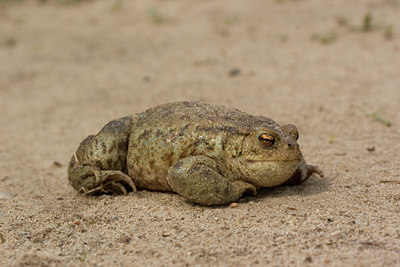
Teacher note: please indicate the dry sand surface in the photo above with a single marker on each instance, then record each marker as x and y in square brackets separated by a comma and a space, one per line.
[68, 68]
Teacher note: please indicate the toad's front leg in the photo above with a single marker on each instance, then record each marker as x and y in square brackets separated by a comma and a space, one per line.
[197, 179]
[303, 172]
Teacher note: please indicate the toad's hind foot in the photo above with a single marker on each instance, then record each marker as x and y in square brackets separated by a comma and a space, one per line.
[90, 181]
[111, 182]
[99, 163]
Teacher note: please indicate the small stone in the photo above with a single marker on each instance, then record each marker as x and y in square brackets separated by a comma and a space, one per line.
[234, 72]
[4, 195]
[166, 234]
[126, 240]
[308, 259]
[5, 178]
[57, 164]
[371, 149]
[234, 205]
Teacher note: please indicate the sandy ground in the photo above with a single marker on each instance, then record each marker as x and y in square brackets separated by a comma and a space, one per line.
[67, 69]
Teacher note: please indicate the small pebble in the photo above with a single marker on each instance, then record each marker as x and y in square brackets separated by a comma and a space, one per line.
[4, 195]
[126, 240]
[371, 149]
[234, 205]
[166, 234]
[234, 72]
[57, 164]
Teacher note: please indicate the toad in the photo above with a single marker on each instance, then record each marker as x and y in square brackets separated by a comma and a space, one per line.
[209, 154]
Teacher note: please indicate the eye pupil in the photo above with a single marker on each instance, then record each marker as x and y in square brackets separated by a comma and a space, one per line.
[267, 139]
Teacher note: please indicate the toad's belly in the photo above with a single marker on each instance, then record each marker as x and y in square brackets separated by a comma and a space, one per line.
[148, 174]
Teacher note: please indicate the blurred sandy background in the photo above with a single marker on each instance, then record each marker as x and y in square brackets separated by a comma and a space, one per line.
[330, 67]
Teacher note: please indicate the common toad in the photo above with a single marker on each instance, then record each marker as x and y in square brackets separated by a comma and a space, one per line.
[206, 153]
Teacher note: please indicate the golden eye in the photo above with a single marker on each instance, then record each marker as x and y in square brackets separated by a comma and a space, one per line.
[266, 139]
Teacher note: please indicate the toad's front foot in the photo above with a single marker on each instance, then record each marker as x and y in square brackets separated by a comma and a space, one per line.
[197, 179]
[303, 172]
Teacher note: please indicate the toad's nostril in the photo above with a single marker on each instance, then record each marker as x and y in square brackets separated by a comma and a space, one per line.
[289, 144]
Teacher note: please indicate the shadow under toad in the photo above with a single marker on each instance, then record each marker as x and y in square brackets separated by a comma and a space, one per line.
[312, 186]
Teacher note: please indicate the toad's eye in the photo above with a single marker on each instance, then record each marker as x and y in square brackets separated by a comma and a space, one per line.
[266, 139]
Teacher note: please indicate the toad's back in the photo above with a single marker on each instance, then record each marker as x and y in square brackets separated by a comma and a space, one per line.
[163, 135]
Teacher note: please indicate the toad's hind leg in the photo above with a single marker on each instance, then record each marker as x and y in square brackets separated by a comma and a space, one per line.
[99, 163]
[197, 179]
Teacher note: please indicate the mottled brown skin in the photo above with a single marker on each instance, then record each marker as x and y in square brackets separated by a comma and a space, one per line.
[208, 154]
